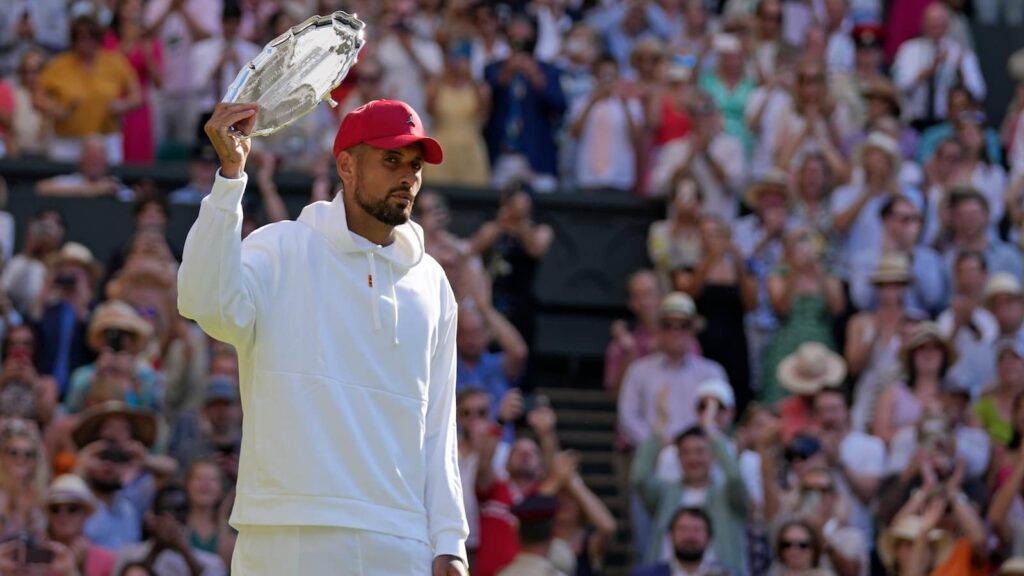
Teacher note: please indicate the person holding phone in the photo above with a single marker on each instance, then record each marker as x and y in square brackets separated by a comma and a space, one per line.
[345, 331]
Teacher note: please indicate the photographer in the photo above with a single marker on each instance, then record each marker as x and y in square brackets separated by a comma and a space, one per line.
[23, 392]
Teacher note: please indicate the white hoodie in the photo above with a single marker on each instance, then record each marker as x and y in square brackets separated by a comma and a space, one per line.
[347, 360]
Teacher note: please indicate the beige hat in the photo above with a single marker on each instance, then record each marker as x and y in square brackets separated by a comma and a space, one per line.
[812, 367]
[774, 180]
[143, 423]
[885, 143]
[75, 253]
[923, 333]
[71, 489]
[726, 43]
[678, 73]
[908, 528]
[680, 305]
[1013, 566]
[893, 268]
[1001, 283]
[118, 315]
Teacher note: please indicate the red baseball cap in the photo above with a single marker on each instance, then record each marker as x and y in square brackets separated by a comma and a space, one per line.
[386, 124]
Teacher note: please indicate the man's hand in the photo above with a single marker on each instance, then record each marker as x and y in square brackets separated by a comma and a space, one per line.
[225, 128]
[447, 565]
[511, 406]
[542, 419]
[64, 561]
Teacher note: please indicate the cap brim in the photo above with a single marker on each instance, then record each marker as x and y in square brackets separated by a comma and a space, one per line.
[432, 153]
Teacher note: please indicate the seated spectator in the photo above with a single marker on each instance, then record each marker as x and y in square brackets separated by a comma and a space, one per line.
[208, 510]
[674, 243]
[118, 335]
[69, 504]
[714, 157]
[607, 126]
[168, 550]
[24, 276]
[24, 475]
[213, 431]
[969, 223]
[536, 516]
[673, 368]
[93, 178]
[968, 326]
[23, 392]
[29, 128]
[798, 550]
[805, 373]
[202, 169]
[806, 298]
[628, 344]
[994, 407]
[84, 91]
[691, 534]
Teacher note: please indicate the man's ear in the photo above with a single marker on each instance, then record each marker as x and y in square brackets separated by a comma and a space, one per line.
[346, 163]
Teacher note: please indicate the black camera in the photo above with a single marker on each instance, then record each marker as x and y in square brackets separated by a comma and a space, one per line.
[66, 281]
[115, 455]
[116, 339]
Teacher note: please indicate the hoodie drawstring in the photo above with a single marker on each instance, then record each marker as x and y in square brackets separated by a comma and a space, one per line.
[375, 295]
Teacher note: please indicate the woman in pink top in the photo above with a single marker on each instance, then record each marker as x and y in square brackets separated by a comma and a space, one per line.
[69, 503]
[128, 34]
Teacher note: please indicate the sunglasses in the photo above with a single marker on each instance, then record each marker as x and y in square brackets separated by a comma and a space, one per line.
[58, 509]
[682, 325]
[28, 454]
[801, 544]
[478, 413]
[818, 489]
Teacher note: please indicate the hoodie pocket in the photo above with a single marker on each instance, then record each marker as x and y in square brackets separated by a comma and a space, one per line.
[324, 438]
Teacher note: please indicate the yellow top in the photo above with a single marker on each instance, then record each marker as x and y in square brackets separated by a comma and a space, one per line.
[88, 90]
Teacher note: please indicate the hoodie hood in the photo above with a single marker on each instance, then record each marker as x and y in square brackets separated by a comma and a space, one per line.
[328, 219]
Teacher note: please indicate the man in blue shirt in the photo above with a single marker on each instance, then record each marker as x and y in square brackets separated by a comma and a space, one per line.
[493, 372]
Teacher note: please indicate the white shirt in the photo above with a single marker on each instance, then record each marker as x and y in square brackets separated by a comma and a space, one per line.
[766, 131]
[840, 53]
[606, 135]
[176, 40]
[975, 365]
[865, 455]
[206, 55]
[720, 197]
[402, 79]
[916, 55]
[972, 445]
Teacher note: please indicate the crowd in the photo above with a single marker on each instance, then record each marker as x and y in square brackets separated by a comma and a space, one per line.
[824, 371]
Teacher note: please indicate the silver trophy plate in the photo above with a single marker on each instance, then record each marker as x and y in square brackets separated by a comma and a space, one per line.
[298, 69]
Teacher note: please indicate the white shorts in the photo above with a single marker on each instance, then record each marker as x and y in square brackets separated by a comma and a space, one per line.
[314, 550]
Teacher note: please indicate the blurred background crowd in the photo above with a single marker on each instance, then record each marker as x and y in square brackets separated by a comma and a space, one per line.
[823, 368]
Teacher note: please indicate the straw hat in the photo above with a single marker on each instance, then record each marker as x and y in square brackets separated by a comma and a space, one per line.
[893, 268]
[115, 314]
[719, 390]
[1001, 284]
[885, 143]
[883, 89]
[75, 253]
[774, 180]
[1013, 566]
[812, 367]
[680, 305]
[142, 421]
[71, 489]
[922, 334]
[908, 528]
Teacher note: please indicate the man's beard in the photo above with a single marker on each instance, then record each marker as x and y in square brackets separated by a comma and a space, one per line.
[104, 486]
[382, 210]
[688, 555]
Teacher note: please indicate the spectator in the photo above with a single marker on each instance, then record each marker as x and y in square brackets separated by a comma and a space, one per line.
[927, 357]
[583, 527]
[167, 550]
[978, 169]
[926, 67]
[408, 63]
[85, 91]
[489, 44]
[674, 366]
[464, 269]
[212, 432]
[513, 245]
[536, 518]
[497, 373]
[127, 34]
[29, 128]
[768, 104]
[970, 222]
[93, 178]
[730, 88]
[848, 87]
[69, 503]
[608, 128]
[771, 47]
[668, 117]
[1005, 300]
[528, 104]
[202, 170]
[813, 182]
[713, 156]
[959, 100]
[1004, 513]
[716, 395]
[479, 437]
[24, 276]
[625, 26]
[180, 25]
[690, 532]
[62, 310]
[208, 509]
[805, 373]
[627, 344]
[674, 243]
[691, 44]
[942, 173]
[994, 408]
[23, 392]
[798, 550]
[723, 291]
[724, 498]
[805, 297]
[24, 476]
[28, 26]
[367, 79]
[968, 326]
[459, 106]
[215, 61]
[882, 100]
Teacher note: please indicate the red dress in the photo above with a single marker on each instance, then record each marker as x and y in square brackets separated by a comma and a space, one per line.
[675, 123]
[137, 124]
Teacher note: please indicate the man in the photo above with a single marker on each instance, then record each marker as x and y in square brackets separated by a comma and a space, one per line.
[93, 178]
[215, 431]
[24, 275]
[1005, 300]
[926, 68]
[168, 551]
[969, 220]
[628, 345]
[202, 171]
[967, 324]
[536, 516]
[494, 372]
[690, 532]
[217, 60]
[345, 332]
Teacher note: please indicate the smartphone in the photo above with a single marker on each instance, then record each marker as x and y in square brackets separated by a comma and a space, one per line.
[36, 553]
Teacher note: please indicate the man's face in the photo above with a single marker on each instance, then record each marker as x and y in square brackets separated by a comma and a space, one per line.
[644, 296]
[386, 181]
[471, 335]
[690, 537]
[969, 217]
[970, 276]
[524, 460]
[222, 415]
[935, 23]
[695, 458]
[1008, 310]
[93, 162]
[903, 224]
[831, 410]
[471, 409]
[675, 334]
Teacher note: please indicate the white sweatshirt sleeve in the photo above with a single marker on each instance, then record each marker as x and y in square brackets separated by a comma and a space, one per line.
[445, 510]
[215, 287]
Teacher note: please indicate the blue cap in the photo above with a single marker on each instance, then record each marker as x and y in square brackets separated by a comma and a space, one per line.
[221, 388]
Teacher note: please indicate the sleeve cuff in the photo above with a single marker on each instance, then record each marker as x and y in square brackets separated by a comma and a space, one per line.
[451, 543]
[227, 192]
